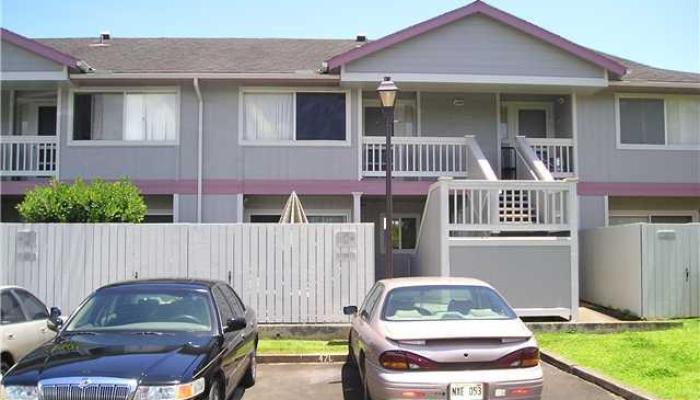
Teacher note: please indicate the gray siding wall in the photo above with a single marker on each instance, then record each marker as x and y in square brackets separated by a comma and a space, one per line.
[223, 158]
[602, 161]
[16, 59]
[477, 117]
[529, 276]
[136, 162]
[476, 45]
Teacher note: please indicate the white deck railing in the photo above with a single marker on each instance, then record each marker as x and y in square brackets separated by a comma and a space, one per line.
[509, 205]
[28, 156]
[557, 154]
[416, 156]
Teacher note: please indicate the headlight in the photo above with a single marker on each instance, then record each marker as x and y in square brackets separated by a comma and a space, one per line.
[171, 392]
[19, 392]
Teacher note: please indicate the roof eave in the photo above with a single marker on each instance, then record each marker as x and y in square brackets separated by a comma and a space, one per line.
[477, 7]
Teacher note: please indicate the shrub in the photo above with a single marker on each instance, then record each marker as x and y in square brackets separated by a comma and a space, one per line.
[97, 201]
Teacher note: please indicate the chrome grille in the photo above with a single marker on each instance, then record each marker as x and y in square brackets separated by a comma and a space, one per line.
[89, 388]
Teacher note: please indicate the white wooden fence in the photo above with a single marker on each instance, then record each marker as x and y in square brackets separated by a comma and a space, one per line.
[416, 156]
[287, 273]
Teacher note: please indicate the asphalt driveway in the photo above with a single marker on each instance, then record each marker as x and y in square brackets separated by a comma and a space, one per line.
[341, 382]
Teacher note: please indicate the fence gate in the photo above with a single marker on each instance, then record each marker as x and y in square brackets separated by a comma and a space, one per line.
[671, 270]
[288, 273]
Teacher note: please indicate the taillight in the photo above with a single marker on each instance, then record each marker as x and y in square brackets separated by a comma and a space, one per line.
[404, 361]
[523, 358]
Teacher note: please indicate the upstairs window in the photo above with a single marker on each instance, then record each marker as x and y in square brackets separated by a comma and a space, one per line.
[125, 117]
[286, 117]
[671, 121]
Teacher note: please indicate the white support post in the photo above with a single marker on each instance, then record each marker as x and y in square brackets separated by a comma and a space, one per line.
[239, 208]
[360, 133]
[573, 233]
[444, 198]
[59, 117]
[356, 207]
[176, 207]
[498, 136]
[574, 134]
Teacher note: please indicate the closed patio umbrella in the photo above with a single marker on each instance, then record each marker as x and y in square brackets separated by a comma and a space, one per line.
[293, 212]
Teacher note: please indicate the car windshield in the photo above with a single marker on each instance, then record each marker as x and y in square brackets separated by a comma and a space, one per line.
[430, 303]
[156, 308]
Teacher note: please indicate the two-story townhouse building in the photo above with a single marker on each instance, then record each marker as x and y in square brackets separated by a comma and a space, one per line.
[536, 137]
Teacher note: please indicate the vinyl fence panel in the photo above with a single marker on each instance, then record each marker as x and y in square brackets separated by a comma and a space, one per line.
[287, 273]
[652, 270]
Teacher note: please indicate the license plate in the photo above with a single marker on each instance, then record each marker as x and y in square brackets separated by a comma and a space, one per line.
[467, 391]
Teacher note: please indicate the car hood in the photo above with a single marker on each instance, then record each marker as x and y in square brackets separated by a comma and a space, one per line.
[150, 359]
[451, 329]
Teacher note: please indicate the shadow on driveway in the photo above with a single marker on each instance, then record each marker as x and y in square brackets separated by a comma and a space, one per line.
[342, 382]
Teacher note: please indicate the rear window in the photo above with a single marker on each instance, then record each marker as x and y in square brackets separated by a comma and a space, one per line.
[430, 303]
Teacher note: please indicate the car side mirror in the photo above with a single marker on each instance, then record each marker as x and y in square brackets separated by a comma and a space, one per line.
[55, 322]
[350, 310]
[235, 324]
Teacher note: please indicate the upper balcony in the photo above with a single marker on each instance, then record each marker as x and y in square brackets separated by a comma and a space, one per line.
[499, 127]
[28, 143]
[28, 156]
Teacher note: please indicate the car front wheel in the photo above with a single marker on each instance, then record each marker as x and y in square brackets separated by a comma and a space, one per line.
[249, 377]
[215, 391]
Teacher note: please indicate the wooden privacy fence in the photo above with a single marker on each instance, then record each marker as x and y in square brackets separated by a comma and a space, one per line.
[287, 273]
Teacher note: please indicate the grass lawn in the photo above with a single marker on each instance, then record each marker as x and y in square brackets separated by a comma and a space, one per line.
[301, 347]
[662, 363]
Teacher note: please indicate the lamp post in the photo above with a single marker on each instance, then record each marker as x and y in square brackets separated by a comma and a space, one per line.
[387, 92]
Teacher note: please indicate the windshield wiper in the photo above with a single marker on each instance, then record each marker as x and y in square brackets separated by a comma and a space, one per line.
[154, 333]
[71, 333]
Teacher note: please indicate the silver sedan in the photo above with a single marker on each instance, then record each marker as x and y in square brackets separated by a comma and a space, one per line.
[442, 338]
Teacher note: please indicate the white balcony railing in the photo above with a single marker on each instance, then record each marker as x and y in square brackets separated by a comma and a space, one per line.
[417, 156]
[509, 205]
[557, 154]
[28, 156]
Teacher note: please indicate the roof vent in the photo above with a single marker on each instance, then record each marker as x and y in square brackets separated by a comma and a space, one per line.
[361, 38]
[104, 37]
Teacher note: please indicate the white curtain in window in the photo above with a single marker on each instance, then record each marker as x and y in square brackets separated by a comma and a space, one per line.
[405, 118]
[683, 120]
[151, 117]
[268, 116]
[106, 116]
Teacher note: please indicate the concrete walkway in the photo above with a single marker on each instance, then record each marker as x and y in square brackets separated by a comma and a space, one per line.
[586, 314]
[341, 382]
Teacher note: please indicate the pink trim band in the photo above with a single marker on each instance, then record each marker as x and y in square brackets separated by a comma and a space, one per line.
[638, 189]
[487, 10]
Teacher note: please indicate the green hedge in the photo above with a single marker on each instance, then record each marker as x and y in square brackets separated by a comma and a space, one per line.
[97, 201]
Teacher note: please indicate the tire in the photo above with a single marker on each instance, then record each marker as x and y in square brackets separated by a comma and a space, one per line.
[365, 388]
[249, 377]
[215, 391]
[5, 364]
[351, 354]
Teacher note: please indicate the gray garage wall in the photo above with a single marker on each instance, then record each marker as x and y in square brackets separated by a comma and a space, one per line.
[528, 275]
[476, 45]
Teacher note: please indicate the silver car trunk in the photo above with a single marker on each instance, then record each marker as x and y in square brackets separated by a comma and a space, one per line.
[462, 341]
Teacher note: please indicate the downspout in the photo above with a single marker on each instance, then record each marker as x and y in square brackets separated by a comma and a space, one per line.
[200, 113]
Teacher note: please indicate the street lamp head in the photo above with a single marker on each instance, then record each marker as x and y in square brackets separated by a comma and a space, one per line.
[387, 91]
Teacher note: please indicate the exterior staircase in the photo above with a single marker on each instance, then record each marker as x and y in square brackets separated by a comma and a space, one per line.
[515, 207]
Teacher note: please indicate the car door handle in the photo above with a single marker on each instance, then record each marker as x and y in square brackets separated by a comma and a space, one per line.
[10, 336]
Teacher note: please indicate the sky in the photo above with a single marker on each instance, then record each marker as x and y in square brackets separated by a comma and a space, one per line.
[662, 33]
